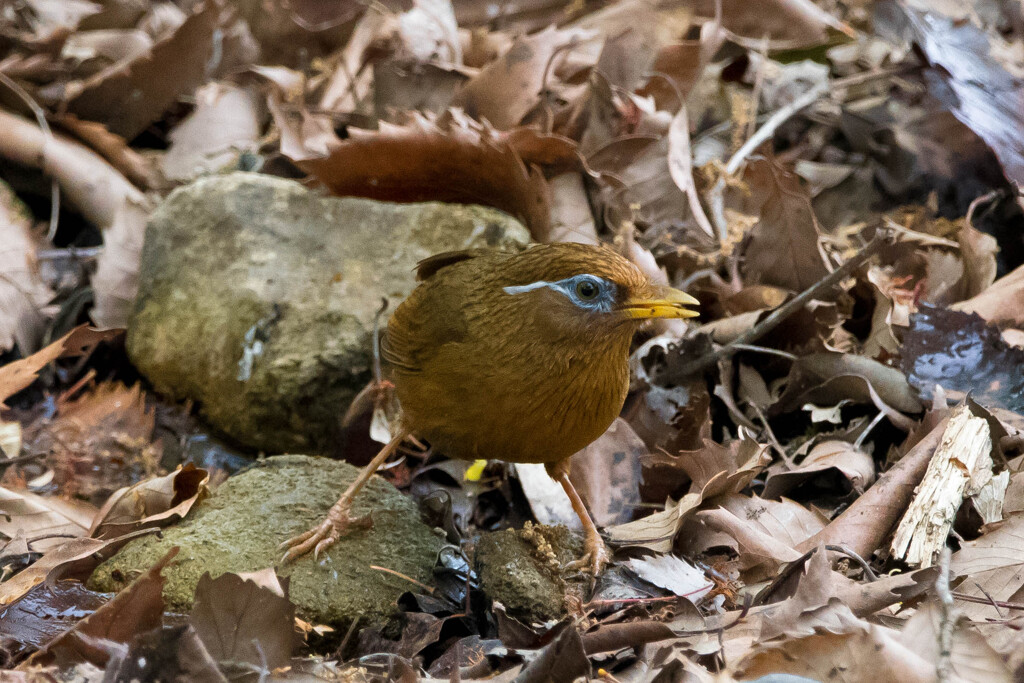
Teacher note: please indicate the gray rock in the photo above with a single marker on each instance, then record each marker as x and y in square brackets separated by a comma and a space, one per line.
[257, 298]
[239, 529]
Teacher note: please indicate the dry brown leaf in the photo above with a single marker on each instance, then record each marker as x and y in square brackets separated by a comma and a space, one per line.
[863, 526]
[970, 657]
[114, 148]
[127, 98]
[978, 251]
[508, 88]
[712, 471]
[812, 606]
[99, 442]
[785, 23]
[1002, 303]
[422, 161]
[102, 195]
[44, 522]
[992, 565]
[55, 17]
[764, 532]
[856, 466]
[655, 532]
[828, 378]
[571, 219]
[245, 619]
[137, 609]
[872, 653]
[153, 503]
[23, 294]
[80, 341]
[607, 474]
[783, 247]
[50, 566]
[225, 123]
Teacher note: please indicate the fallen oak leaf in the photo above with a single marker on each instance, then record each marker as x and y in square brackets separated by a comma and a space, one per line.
[137, 609]
[246, 620]
[155, 502]
[78, 342]
[863, 525]
[45, 522]
[129, 97]
[655, 532]
[509, 87]
[54, 563]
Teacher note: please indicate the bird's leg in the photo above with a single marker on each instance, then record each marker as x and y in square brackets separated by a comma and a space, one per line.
[339, 518]
[595, 554]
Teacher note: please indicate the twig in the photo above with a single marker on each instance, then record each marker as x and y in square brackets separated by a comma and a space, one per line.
[765, 132]
[403, 576]
[868, 572]
[340, 652]
[867, 430]
[881, 239]
[8, 462]
[991, 600]
[716, 198]
[40, 115]
[947, 620]
[764, 349]
[982, 601]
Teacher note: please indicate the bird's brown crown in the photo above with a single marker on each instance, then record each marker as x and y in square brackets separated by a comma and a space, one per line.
[564, 260]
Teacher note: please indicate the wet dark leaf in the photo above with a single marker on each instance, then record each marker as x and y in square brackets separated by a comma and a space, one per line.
[961, 353]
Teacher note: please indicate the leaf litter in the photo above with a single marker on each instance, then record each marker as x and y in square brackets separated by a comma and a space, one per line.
[831, 490]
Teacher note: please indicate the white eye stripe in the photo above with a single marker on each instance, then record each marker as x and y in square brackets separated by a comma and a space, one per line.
[520, 289]
[601, 303]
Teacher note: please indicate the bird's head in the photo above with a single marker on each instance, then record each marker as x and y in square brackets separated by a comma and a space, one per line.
[581, 290]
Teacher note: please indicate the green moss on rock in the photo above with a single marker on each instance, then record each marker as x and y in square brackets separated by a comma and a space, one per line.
[521, 569]
[240, 527]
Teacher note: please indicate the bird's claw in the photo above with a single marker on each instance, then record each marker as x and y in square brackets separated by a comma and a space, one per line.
[594, 559]
[321, 537]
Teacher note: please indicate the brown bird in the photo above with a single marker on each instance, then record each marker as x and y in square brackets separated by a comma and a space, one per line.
[519, 357]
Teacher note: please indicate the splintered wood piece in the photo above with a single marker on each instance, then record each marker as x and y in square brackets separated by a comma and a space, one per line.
[961, 465]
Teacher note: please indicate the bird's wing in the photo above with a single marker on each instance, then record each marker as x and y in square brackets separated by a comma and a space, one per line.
[429, 266]
[433, 315]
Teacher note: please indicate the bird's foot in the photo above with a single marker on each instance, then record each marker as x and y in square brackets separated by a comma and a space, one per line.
[339, 521]
[594, 559]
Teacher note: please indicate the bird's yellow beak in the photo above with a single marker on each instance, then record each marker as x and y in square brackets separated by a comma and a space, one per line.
[660, 302]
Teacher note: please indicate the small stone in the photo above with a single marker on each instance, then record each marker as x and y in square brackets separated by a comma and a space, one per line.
[257, 298]
[522, 570]
[241, 526]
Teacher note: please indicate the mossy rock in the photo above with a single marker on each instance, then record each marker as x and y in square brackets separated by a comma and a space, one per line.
[240, 527]
[257, 298]
[522, 569]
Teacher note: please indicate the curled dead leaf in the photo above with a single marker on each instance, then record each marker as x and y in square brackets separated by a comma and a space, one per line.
[152, 503]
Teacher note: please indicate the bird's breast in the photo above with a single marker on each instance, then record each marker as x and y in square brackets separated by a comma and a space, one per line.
[534, 404]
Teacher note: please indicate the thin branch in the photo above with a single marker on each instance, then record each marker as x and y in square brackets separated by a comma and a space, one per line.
[947, 620]
[881, 239]
[868, 572]
[40, 115]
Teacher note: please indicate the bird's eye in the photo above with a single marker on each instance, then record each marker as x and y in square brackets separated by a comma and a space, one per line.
[587, 290]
